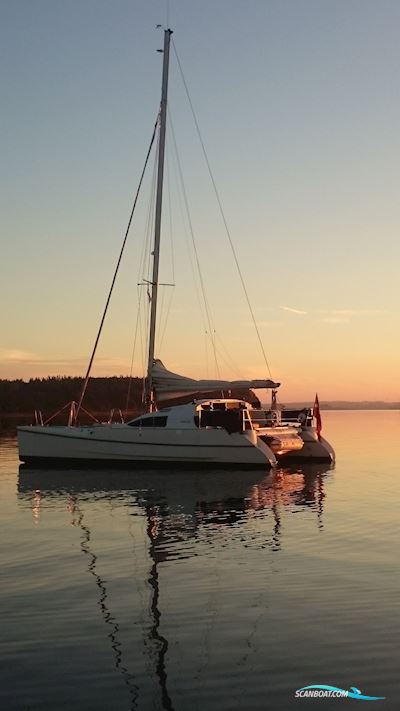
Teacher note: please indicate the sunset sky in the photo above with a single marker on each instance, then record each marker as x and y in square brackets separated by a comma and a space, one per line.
[298, 102]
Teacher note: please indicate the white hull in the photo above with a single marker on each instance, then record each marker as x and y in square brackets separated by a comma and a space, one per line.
[123, 444]
[314, 448]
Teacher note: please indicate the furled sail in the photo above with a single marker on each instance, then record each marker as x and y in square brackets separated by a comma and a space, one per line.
[171, 385]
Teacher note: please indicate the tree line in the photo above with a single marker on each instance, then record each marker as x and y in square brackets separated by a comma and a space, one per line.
[49, 394]
[19, 399]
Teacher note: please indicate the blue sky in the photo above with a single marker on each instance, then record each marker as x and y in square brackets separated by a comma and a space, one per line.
[298, 103]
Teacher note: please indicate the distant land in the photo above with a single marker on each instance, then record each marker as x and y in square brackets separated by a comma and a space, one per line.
[348, 405]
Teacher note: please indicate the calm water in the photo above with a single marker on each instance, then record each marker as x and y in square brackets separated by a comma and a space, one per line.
[204, 590]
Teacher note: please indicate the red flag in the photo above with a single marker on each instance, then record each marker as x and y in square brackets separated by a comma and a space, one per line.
[317, 415]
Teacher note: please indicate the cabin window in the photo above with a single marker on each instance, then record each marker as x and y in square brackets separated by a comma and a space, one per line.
[156, 421]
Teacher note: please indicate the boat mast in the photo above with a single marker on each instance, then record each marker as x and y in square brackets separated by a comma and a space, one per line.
[157, 230]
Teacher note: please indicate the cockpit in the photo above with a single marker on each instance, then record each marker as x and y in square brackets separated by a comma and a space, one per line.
[231, 415]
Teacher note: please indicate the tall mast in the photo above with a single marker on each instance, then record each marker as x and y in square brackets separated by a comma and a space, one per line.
[157, 229]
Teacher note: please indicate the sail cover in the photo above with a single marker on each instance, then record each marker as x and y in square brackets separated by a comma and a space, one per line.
[171, 385]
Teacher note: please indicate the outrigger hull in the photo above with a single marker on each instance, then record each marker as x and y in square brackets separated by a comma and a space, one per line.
[315, 449]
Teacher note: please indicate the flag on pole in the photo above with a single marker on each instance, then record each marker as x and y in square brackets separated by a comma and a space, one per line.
[317, 415]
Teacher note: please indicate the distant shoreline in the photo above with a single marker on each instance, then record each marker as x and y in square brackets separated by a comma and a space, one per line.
[348, 405]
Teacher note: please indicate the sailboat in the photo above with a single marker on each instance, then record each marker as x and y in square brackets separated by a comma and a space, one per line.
[206, 432]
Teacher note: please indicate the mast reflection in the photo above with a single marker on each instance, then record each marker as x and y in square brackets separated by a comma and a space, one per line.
[113, 634]
[155, 634]
[180, 508]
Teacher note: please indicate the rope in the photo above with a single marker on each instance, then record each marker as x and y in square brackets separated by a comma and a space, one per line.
[221, 208]
[85, 384]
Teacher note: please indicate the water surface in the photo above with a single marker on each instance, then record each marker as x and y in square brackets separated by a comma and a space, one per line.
[204, 590]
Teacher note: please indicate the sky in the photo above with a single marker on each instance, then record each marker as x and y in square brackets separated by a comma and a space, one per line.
[298, 103]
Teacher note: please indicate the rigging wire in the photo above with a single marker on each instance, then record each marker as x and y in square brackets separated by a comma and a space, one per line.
[115, 275]
[146, 274]
[144, 320]
[168, 311]
[192, 267]
[206, 354]
[145, 248]
[171, 232]
[220, 207]
[147, 277]
[133, 354]
[183, 188]
[144, 271]
[143, 275]
[226, 357]
[165, 317]
[160, 309]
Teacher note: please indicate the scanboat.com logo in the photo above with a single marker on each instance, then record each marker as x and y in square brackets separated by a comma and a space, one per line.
[323, 691]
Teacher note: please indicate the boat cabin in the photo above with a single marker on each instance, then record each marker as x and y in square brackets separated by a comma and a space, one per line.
[231, 415]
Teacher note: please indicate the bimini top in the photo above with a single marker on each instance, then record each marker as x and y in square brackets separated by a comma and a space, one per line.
[171, 385]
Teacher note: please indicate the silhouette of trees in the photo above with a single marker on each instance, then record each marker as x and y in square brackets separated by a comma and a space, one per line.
[49, 394]
[20, 399]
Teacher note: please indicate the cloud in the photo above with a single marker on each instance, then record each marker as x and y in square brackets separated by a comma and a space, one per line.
[18, 363]
[262, 324]
[351, 312]
[345, 315]
[293, 311]
[335, 319]
[14, 355]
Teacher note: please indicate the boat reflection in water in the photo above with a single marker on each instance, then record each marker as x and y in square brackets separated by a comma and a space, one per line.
[180, 508]
[178, 505]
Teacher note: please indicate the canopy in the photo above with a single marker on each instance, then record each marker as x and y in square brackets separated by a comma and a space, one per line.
[171, 385]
